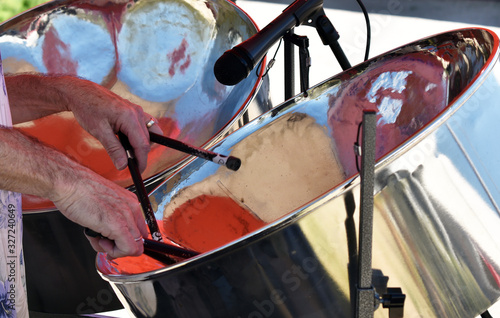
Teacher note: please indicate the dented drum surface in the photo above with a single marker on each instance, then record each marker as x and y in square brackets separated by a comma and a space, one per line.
[436, 199]
[156, 53]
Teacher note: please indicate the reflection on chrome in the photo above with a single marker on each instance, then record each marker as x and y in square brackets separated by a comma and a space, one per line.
[156, 53]
[436, 216]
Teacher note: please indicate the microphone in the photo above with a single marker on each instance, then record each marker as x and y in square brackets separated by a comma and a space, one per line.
[236, 64]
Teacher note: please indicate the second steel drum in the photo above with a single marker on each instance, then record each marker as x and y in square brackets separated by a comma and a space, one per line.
[156, 53]
[278, 236]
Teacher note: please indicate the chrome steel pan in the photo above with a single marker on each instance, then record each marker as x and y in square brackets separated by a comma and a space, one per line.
[436, 215]
[156, 53]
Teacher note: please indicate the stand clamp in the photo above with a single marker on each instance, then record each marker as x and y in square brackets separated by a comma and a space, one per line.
[394, 300]
[302, 42]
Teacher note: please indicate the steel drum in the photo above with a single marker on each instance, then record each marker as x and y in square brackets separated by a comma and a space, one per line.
[293, 207]
[156, 53]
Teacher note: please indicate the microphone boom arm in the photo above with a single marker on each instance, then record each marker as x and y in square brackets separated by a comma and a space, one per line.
[297, 13]
[236, 64]
[329, 36]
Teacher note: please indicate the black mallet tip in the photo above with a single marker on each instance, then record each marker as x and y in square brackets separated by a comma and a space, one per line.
[233, 163]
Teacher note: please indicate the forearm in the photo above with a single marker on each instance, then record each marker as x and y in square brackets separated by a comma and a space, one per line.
[32, 96]
[84, 197]
[30, 167]
[98, 110]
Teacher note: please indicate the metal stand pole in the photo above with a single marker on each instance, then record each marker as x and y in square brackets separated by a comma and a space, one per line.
[365, 298]
[302, 42]
[330, 37]
[289, 66]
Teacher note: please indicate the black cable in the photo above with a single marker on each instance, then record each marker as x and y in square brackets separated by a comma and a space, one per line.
[368, 29]
[271, 61]
[357, 148]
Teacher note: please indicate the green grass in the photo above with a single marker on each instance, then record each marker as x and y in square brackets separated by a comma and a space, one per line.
[9, 8]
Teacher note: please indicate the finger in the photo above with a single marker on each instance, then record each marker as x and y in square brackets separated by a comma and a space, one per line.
[113, 147]
[140, 140]
[153, 126]
[138, 137]
[119, 248]
[116, 152]
[131, 244]
[139, 220]
[131, 124]
[127, 239]
[123, 247]
[142, 226]
[94, 242]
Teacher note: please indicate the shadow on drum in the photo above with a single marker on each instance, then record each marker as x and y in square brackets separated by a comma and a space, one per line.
[156, 53]
[292, 206]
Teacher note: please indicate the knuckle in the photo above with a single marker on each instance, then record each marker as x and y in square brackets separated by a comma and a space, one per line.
[145, 147]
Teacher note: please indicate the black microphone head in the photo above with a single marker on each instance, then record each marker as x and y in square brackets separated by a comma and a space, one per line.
[231, 68]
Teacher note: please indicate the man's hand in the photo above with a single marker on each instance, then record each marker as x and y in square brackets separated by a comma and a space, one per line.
[98, 110]
[80, 194]
[107, 209]
[103, 114]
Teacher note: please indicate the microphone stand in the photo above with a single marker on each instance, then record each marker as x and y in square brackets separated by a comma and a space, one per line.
[289, 66]
[310, 13]
[330, 37]
[305, 63]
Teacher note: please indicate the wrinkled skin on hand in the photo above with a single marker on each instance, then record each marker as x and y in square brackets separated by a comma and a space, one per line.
[80, 194]
[103, 114]
[108, 209]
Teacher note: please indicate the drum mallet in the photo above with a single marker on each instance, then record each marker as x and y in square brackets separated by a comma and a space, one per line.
[230, 162]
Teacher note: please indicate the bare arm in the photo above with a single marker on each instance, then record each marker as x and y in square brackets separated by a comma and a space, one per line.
[81, 195]
[33, 96]
[98, 110]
